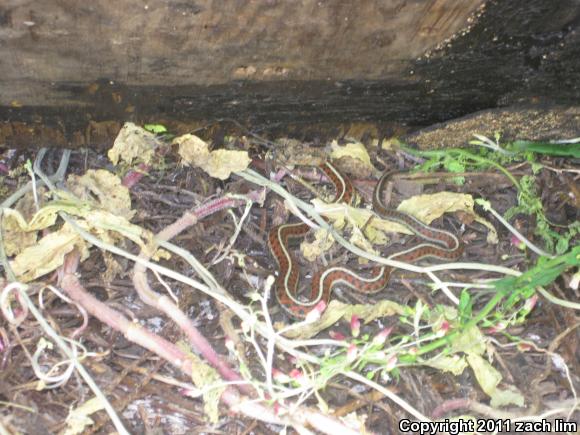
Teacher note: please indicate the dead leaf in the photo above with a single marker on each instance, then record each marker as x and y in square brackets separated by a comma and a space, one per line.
[223, 162]
[112, 268]
[27, 206]
[355, 150]
[408, 188]
[78, 419]
[112, 228]
[454, 364]
[14, 232]
[322, 242]
[47, 215]
[489, 378]
[375, 228]
[218, 164]
[20, 233]
[205, 378]
[292, 152]
[492, 233]
[192, 149]
[106, 187]
[353, 159]
[48, 254]
[427, 208]
[133, 143]
[337, 310]
[469, 341]
[356, 131]
[387, 143]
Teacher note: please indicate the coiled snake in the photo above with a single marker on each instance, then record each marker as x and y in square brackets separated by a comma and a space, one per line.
[438, 243]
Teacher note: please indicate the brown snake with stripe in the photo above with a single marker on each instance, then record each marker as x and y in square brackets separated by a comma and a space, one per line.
[439, 244]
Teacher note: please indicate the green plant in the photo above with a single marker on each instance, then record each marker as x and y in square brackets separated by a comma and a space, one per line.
[491, 154]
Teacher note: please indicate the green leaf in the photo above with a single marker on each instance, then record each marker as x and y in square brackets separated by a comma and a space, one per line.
[536, 167]
[544, 273]
[465, 306]
[562, 245]
[155, 128]
[552, 149]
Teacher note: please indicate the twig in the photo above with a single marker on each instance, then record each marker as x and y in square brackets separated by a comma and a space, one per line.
[166, 305]
[58, 176]
[21, 289]
[237, 231]
[412, 411]
[557, 301]
[139, 335]
[240, 311]
[487, 207]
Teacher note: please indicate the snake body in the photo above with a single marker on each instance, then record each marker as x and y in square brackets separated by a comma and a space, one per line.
[439, 243]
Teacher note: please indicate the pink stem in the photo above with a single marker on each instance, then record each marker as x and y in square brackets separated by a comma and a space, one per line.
[448, 406]
[133, 177]
[166, 305]
[173, 354]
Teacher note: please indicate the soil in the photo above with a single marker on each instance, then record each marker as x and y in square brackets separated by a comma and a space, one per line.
[148, 392]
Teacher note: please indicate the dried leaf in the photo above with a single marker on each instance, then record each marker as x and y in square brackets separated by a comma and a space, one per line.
[424, 207]
[427, 208]
[133, 143]
[292, 152]
[48, 254]
[223, 162]
[46, 216]
[27, 204]
[337, 310]
[113, 268]
[375, 229]
[218, 164]
[205, 378]
[353, 150]
[510, 396]
[78, 419]
[387, 143]
[489, 378]
[20, 234]
[14, 231]
[492, 233]
[340, 215]
[192, 149]
[106, 187]
[14, 228]
[470, 341]
[454, 364]
[112, 228]
[322, 242]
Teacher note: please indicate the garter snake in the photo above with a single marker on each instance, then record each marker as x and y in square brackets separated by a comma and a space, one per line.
[438, 243]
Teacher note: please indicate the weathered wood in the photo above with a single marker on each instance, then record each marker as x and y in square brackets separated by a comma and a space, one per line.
[267, 62]
[212, 42]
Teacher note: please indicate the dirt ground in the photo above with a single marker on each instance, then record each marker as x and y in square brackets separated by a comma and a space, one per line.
[161, 353]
